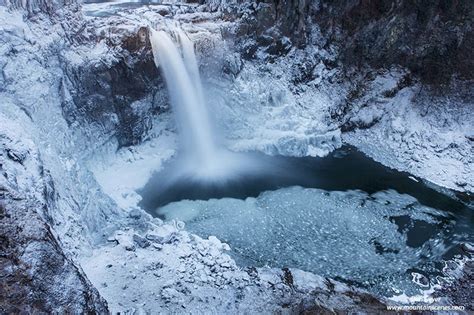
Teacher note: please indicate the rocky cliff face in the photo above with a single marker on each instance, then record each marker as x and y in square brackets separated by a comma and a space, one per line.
[433, 39]
[37, 276]
[32, 7]
[121, 96]
[45, 222]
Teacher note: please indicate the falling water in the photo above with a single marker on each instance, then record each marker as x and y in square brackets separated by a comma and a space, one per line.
[201, 157]
[184, 85]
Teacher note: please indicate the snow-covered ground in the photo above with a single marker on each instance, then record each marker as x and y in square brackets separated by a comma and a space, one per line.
[121, 173]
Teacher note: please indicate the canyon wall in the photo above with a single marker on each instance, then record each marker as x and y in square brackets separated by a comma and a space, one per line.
[37, 275]
[433, 39]
[32, 7]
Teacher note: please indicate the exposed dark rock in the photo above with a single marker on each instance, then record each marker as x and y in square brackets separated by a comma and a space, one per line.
[287, 16]
[106, 94]
[32, 7]
[135, 214]
[287, 277]
[406, 81]
[303, 71]
[141, 241]
[16, 155]
[275, 26]
[155, 238]
[434, 39]
[36, 274]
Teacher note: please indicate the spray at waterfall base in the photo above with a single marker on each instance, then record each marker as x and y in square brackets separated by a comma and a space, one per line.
[201, 157]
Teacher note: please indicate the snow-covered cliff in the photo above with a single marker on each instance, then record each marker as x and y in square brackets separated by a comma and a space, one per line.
[43, 211]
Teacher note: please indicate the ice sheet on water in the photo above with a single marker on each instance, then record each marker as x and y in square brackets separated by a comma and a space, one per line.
[346, 235]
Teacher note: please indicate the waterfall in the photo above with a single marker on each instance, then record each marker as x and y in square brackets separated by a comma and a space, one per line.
[181, 73]
[200, 157]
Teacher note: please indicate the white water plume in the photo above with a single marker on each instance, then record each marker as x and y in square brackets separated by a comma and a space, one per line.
[184, 86]
[201, 156]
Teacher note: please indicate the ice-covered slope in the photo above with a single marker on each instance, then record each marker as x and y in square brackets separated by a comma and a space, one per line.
[421, 130]
[33, 96]
[38, 275]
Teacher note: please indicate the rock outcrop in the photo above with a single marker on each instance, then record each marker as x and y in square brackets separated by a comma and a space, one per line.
[32, 7]
[37, 276]
[45, 222]
[121, 95]
[433, 39]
